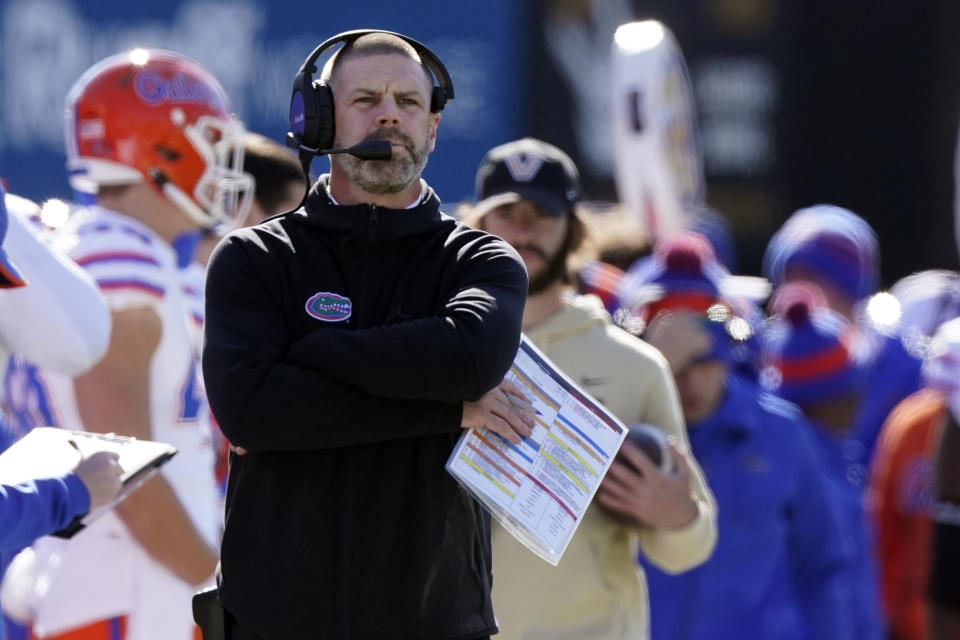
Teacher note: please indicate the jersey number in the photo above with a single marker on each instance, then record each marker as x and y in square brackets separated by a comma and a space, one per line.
[191, 397]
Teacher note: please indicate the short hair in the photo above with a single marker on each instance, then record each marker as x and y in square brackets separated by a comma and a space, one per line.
[372, 44]
[273, 168]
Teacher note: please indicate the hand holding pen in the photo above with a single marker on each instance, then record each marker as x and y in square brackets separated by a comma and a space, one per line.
[505, 410]
[521, 403]
[100, 473]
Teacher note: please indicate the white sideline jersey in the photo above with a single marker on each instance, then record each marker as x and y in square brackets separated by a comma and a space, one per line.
[193, 280]
[59, 320]
[102, 572]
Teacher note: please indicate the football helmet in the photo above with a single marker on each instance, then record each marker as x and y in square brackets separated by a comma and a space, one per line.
[158, 116]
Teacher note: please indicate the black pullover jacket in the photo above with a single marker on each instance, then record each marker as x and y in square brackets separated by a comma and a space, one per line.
[339, 345]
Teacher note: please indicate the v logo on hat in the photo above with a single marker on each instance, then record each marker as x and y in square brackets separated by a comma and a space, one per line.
[524, 167]
[528, 169]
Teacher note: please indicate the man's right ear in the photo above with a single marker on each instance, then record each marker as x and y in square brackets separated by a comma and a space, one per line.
[432, 137]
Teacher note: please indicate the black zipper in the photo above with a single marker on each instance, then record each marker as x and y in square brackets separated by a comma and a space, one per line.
[372, 219]
[360, 304]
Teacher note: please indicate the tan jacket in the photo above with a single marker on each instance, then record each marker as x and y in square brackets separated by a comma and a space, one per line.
[597, 591]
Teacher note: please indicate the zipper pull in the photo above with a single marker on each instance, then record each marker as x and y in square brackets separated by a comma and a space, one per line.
[374, 215]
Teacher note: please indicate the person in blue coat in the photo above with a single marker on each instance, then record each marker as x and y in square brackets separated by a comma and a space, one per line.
[779, 565]
[837, 250]
[815, 361]
[42, 506]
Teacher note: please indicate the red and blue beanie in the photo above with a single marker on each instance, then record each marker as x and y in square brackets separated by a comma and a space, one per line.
[683, 275]
[809, 355]
[829, 244]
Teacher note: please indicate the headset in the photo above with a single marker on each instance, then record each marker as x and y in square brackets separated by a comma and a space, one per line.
[311, 103]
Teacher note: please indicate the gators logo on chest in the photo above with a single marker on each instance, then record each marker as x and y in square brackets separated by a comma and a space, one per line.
[329, 307]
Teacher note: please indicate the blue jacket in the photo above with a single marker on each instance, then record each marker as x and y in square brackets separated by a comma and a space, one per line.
[36, 508]
[778, 568]
[893, 374]
[39, 507]
[841, 468]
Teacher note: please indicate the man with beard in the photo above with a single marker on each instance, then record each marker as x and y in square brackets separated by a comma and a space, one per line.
[527, 192]
[346, 346]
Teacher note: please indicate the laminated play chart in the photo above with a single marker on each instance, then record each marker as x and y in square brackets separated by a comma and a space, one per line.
[540, 489]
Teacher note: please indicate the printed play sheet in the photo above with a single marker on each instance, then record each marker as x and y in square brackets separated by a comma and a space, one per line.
[540, 489]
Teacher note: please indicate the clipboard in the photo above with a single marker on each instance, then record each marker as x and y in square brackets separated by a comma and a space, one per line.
[48, 452]
[540, 489]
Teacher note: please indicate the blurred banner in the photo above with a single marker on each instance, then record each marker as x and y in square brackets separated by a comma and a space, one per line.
[797, 102]
[254, 48]
[733, 50]
[659, 164]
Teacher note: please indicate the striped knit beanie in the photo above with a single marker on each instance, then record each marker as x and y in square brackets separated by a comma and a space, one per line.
[829, 243]
[683, 275]
[810, 354]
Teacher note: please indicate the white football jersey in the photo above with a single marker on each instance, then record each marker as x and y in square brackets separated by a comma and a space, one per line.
[58, 320]
[193, 280]
[102, 572]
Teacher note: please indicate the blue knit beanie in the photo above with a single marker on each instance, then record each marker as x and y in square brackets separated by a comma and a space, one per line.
[833, 244]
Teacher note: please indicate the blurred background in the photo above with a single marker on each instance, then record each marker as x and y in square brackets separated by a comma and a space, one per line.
[852, 102]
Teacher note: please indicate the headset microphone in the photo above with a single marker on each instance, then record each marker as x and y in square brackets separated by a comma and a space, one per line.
[367, 150]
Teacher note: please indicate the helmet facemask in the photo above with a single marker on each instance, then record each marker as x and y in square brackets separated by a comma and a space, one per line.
[223, 193]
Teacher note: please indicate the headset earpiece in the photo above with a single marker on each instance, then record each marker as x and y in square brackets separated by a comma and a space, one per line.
[326, 130]
[438, 100]
[311, 113]
[302, 111]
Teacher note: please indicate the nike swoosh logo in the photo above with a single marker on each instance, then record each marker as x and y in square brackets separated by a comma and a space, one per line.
[592, 382]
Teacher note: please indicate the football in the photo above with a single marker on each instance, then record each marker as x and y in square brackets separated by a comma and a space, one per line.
[653, 442]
